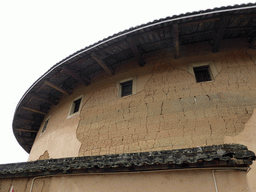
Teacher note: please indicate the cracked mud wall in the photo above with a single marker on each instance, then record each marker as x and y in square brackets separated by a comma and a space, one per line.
[247, 137]
[171, 110]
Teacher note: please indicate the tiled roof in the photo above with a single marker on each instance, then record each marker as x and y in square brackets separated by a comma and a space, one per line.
[217, 156]
[237, 22]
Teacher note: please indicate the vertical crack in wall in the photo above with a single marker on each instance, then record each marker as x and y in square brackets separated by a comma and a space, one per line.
[189, 113]
[26, 186]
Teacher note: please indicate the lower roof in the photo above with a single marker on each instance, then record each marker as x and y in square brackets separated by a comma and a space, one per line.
[232, 156]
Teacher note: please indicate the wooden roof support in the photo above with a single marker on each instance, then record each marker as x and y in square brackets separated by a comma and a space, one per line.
[42, 99]
[34, 110]
[25, 119]
[102, 64]
[221, 27]
[76, 76]
[56, 87]
[27, 130]
[176, 41]
[136, 51]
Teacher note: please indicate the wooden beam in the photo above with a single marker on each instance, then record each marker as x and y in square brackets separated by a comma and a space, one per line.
[41, 98]
[56, 87]
[221, 26]
[176, 41]
[136, 51]
[26, 130]
[76, 76]
[34, 110]
[197, 34]
[25, 119]
[102, 64]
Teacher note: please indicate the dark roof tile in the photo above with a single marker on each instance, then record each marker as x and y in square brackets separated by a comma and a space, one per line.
[227, 155]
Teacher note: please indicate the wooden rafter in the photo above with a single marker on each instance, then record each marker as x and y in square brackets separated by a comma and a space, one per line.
[25, 119]
[199, 21]
[42, 99]
[27, 130]
[56, 87]
[86, 80]
[136, 51]
[176, 41]
[34, 110]
[102, 64]
[168, 27]
[221, 26]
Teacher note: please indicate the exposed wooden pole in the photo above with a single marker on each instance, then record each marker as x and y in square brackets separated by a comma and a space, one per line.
[76, 76]
[136, 51]
[221, 26]
[27, 130]
[176, 41]
[102, 64]
[41, 98]
[34, 110]
[56, 87]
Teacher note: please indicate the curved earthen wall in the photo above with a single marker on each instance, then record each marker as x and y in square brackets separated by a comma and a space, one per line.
[169, 110]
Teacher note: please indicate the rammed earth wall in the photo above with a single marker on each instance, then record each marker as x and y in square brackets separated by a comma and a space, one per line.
[170, 110]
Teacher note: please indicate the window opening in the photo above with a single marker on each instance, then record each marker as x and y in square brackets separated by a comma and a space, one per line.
[76, 106]
[202, 74]
[45, 125]
[126, 88]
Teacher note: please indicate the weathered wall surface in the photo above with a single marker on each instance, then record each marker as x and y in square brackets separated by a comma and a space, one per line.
[171, 110]
[189, 181]
[247, 137]
[59, 139]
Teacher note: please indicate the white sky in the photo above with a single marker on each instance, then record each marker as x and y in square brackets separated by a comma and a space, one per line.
[35, 35]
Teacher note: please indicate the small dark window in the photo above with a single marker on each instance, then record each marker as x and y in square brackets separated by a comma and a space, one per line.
[45, 125]
[202, 74]
[76, 105]
[126, 88]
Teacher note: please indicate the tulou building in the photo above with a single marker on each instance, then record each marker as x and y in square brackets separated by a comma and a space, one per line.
[165, 106]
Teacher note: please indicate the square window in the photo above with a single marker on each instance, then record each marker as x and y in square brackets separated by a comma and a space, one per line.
[75, 106]
[126, 88]
[202, 73]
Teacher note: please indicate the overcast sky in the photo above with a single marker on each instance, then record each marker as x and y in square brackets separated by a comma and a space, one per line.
[35, 35]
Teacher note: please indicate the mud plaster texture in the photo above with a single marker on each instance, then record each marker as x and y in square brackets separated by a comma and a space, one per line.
[44, 156]
[171, 110]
